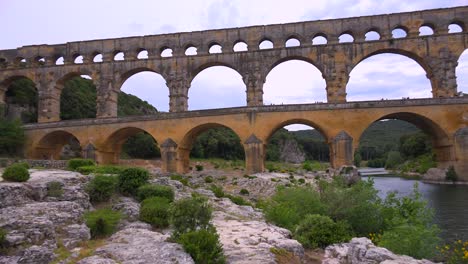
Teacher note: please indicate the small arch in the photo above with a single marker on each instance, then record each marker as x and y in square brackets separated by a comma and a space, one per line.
[166, 52]
[119, 56]
[58, 145]
[372, 35]
[292, 42]
[97, 57]
[191, 51]
[240, 46]
[456, 27]
[399, 32]
[426, 30]
[319, 39]
[40, 60]
[20, 61]
[298, 121]
[142, 54]
[120, 142]
[346, 37]
[60, 61]
[78, 59]
[215, 48]
[266, 44]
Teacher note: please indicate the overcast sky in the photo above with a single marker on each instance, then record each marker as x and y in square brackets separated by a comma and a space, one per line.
[26, 22]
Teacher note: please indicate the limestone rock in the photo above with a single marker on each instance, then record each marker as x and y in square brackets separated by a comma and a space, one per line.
[96, 260]
[37, 255]
[363, 251]
[291, 152]
[434, 174]
[129, 207]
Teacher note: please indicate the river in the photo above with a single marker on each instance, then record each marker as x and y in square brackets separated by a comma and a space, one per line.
[450, 203]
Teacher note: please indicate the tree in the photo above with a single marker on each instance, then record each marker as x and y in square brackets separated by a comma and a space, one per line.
[78, 99]
[393, 160]
[414, 145]
[11, 137]
[142, 146]
[357, 159]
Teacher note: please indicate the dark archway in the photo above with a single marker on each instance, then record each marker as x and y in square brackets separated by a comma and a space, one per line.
[58, 145]
[21, 100]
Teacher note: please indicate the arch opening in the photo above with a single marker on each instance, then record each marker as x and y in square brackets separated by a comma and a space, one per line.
[266, 44]
[97, 58]
[292, 42]
[59, 61]
[346, 38]
[222, 84]
[388, 76]
[294, 81]
[372, 35]
[462, 74]
[166, 52]
[144, 92]
[78, 59]
[215, 48]
[455, 28]
[240, 46]
[58, 145]
[319, 40]
[399, 32]
[21, 100]
[191, 51]
[119, 56]
[426, 30]
[143, 54]
[78, 98]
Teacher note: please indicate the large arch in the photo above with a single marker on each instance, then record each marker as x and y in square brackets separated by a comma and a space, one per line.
[64, 82]
[294, 80]
[442, 144]
[462, 74]
[389, 75]
[146, 84]
[221, 82]
[78, 99]
[20, 97]
[51, 145]
[186, 144]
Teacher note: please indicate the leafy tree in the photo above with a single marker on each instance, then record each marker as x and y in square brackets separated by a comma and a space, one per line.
[129, 105]
[357, 159]
[11, 137]
[218, 143]
[393, 160]
[414, 145]
[78, 99]
[142, 146]
[23, 92]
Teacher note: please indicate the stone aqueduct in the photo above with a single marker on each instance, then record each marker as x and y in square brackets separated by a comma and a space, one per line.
[444, 117]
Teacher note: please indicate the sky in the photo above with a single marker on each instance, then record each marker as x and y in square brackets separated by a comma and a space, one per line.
[27, 22]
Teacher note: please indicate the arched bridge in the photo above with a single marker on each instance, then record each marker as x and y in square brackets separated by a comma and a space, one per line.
[112, 61]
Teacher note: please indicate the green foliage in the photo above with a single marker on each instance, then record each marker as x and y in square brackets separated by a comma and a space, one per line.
[451, 174]
[150, 190]
[11, 137]
[190, 214]
[455, 252]
[155, 211]
[24, 164]
[217, 190]
[307, 166]
[3, 234]
[74, 164]
[357, 159]
[141, 146]
[320, 231]
[85, 170]
[130, 105]
[54, 189]
[130, 179]
[180, 178]
[218, 142]
[203, 245]
[78, 99]
[16, 173]
[199, 167]
[208, 179]
[237, 200]
[414, 145]
[244, 192]
[102, 222]
[393, 160]
[23, 92]
[376, 163]
[101, 188]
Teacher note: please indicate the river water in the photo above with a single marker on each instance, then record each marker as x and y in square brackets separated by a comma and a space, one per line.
[450, 203]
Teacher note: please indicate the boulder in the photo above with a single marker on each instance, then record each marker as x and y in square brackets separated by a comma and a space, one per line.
[434, 174]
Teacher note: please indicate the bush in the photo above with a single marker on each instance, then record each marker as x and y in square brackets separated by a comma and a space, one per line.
[149, 190]
[85, 170]
[108, 169]
[54, 189]
[199, 167]
[301, 181]
[320, 231]
[357, 159]
[74, 164]
[393, 160]
[155, 211]
[244, 192]
[180, 178]
[3, 234]
[203, 245]
[451, 175]
[102, 222]
[217, 190]
[131, 179]
[307, 166]
[24, 164]
[237, 200]
[208, 179]
[12, 136]
[16, 173]
[101, 188]
[190, 214]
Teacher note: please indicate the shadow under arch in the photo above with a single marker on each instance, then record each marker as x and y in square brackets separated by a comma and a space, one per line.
[441, 143]
[186, 144]
[51, 145]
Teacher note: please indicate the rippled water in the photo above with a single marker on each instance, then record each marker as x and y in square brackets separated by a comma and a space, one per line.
[450, 203]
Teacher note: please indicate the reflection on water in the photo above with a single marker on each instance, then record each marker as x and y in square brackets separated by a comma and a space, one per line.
[450, 203]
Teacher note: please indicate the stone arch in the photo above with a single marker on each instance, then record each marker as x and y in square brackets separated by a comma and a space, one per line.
[199, 68]
[288, 58]
[441, 141]
[188, 140]
[124, 76]
[51, 145]
[12, 108]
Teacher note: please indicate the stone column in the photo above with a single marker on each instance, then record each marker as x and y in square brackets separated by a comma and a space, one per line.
[169, 155]
[461, 153]
[442, 75]
[254, 155]
[254, 80]
[178, 92]
[107, 97]
[342, 150]
[336, 75]
[89, 152]
[49, 99]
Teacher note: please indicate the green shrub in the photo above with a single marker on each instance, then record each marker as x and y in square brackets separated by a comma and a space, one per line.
[155, 211]
[199, 167]
[85, 170]
[301, 181]
[451, 175]
[149, 190]
[217, 190]
[190, 214]
[208, 179]
[74, 164]
[307, 166]
[203, 245]
[16, 173]
[237, 200]
[24, 164]
[54, 189]
[102, 222]
[131, 179]
[393, 160]
[3, 234]
[180, 178]
[320, 231]
[101, 188]
[108, 169]
[244, 192]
